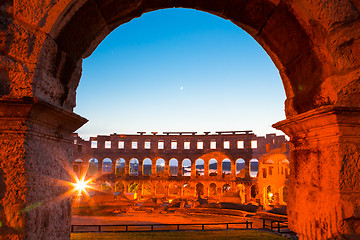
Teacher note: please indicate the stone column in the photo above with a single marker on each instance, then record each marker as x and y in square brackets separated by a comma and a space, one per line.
[193, 169]
[324, 188]
[179, 169]
[219, 167]
[247, 168]
[140, 168]
[127, 167]
[206, 167]
[35, 161]
[167, 167]
[233, 168]
[153, 168]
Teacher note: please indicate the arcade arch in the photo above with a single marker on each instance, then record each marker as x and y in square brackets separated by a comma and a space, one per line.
[134, 167]
[106, 166]
[254, 168]
[146, 189]
[240, 167]
[119, 187]
[160, 189]
[212, 190]
[147, 166]
[160, 166]
[174, 167]
[226, 167]
[173, 189]
[200, 167]
[93, 167]
[199, 189]
[213, 167]
[120, 167]
[316, 56]
[186, 167]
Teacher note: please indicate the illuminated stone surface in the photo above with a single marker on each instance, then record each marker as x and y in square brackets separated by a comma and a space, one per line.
[241, 148]
[314, 44]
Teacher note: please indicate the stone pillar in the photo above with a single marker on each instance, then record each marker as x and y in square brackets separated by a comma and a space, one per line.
[127, 167]
[140, 168]
[153, 168]
[219, 168]
[324, 188]
[193, 169]
[206, 167]
[233, 168]
[247, 168]
[180, 169]
[167, 167]
[35, 160]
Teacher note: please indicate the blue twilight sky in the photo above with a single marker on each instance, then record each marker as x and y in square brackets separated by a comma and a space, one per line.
[179, 70]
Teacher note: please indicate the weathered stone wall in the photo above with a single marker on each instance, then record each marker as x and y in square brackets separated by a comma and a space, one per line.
[32, 200]
[314, 44]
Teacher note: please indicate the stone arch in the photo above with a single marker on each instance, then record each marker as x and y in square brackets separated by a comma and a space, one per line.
[269, 196]
[200, 166]
[313, 44]
[134, 167]
[212, 190]
[93, 167]
[254, 168]
[106, 166]
[284, 194]
[187, 189]
[120, 167]
[241, 191]
[174, 189]
[254, 191]
[186, 167]
[240, 167]
[199, 189]
[213, 167]
[174, 167]
[119, 187]
[133, 187]
[147, 189]
[78, 167]
[160, 189]
[225, 188]
[147, 166]
[160, 166]
[226, 166]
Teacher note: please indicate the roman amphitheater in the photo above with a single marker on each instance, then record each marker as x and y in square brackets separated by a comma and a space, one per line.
[314, 44]
[186, 164]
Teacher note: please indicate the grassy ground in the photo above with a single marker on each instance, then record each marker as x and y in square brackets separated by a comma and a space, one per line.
[198, 235]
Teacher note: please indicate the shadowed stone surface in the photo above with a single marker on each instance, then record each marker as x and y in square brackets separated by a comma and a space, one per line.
[314, 43]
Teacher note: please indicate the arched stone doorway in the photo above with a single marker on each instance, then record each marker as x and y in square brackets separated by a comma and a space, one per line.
[315, 46]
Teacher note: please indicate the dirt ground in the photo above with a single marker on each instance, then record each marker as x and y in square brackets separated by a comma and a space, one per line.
[136, 217]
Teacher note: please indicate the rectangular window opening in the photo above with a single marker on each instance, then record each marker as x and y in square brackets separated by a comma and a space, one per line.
[93, 144]
[134, 145]
[107, 144]
[161, 145]
[254, 144]
[186, 145]
[212, 145]
[226, 144]
[240, 144]
[173, 145]
[200, 145]
[147, 145]
[121, 145]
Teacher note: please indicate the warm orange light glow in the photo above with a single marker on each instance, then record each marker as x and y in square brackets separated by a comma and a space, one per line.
[80, 186]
